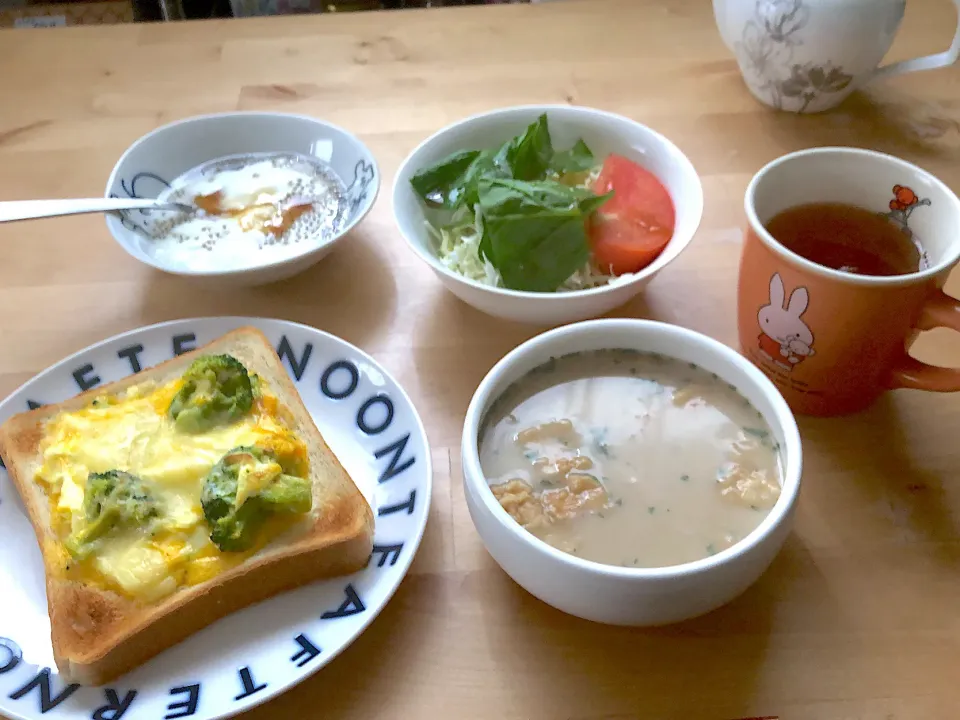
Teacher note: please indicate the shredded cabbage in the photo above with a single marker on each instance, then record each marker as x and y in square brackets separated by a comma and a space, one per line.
[458, 248]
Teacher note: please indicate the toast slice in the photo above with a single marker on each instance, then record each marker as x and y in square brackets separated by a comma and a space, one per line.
[99, 633]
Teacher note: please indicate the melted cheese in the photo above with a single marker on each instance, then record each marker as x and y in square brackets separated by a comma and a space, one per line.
[133, 565]
[254, 478]
[132, 432]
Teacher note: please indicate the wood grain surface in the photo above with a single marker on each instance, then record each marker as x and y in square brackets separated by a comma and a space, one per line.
[857, 618]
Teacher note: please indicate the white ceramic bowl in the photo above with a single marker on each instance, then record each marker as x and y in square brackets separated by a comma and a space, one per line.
[152, 162]
[619, 595]
[604, 133]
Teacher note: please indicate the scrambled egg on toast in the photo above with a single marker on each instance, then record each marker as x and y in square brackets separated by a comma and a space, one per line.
[200, 484]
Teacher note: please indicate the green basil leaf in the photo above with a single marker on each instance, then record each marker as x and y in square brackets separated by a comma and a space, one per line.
[483, 167]
[591, 204]
[537, 252]
[443, 184]
[576, 159]
[534, 232]
[533, 229]
[499, 196]
[528, 156]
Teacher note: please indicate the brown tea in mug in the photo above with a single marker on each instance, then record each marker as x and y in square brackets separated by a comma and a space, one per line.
[846, 237]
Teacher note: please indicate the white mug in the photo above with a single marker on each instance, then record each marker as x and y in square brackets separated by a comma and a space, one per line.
[808, 55]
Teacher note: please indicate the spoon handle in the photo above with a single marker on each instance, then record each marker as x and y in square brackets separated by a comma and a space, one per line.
[30, 209]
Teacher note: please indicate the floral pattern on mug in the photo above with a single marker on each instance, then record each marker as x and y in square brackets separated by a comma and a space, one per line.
[809, 81]
[766, 55]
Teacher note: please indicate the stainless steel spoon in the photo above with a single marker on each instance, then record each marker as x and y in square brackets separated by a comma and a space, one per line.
[32, 209]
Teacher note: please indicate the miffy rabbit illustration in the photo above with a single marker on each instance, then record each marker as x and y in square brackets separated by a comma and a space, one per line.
[785, 339]
[797, 348]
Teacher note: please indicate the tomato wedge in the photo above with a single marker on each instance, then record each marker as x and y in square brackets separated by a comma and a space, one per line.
[631, 229]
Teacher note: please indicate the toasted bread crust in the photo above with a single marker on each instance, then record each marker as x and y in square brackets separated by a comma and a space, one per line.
[98, 634]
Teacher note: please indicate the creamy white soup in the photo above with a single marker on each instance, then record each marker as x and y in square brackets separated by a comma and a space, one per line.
[630, 458]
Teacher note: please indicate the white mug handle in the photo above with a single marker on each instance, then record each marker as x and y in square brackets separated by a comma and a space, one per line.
[944, 59]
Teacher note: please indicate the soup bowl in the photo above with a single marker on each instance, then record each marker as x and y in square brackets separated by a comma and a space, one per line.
[604, 133]
[630, 595]
[150, 164]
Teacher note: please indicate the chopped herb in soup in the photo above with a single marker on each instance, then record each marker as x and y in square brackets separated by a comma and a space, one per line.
[630, 459]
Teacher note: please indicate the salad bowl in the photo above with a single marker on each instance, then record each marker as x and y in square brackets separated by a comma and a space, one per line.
[464, 272]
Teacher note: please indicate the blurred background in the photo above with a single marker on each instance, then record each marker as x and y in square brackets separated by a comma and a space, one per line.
[44, 13]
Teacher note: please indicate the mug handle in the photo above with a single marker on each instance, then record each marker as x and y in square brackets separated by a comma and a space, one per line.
[941, 310]
[929, 62]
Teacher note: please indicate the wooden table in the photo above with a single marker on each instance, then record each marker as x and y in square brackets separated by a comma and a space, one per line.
[856, 619]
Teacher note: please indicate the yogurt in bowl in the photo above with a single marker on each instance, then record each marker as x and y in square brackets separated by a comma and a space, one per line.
[276, 192]
[254, 209]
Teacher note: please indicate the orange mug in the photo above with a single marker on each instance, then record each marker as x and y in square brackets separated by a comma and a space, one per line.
[833, 341]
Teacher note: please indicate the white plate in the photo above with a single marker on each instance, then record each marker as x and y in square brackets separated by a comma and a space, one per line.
[257, 653]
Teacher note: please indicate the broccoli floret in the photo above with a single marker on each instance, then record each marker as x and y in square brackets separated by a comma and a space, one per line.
[233, 527]
[288, 493]
[238, 530]
[216, 391]
[113, 499]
